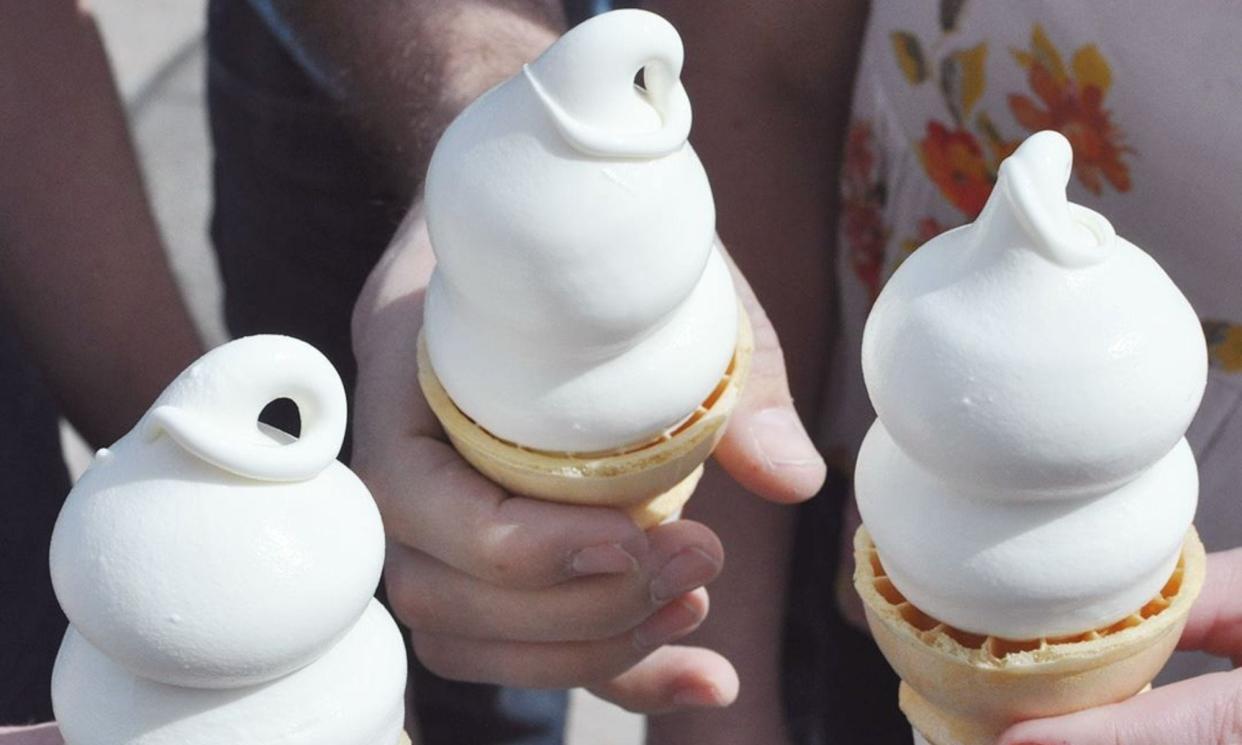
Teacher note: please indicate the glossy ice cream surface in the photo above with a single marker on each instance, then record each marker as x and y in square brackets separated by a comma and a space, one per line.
[580, 301]
[1034, 374]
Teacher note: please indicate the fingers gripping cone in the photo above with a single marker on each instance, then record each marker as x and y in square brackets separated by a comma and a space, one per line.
[651, 482]
[964, 689]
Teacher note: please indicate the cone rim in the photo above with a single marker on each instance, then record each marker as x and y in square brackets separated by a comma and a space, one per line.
[1032, 656]
[706, 424]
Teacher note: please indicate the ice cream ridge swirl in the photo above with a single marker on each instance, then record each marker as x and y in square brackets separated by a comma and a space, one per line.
[583, 340]
[218, 574]
[580, 302]
[1033, 374]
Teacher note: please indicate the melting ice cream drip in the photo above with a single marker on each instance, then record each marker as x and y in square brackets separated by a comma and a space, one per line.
[579, 302]
[1033, 375]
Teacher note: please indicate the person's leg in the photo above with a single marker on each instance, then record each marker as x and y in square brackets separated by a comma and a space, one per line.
[299, 221]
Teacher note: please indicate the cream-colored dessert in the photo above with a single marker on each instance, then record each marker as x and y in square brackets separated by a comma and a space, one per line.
[581, 308]
[218, 574]
[1027, 477]
[960, 688]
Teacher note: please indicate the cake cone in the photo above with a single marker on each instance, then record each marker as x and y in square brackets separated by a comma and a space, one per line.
[964, 689]
[651, 482]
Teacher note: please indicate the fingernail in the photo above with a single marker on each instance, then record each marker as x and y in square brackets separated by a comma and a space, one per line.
[674, 620]
[609, 558]
[782, 440]
[699, 697]
[689, 569]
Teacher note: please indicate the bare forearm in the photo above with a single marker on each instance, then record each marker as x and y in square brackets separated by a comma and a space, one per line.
[770, 84]
[403, 69]
[82, 271]
[43, 734]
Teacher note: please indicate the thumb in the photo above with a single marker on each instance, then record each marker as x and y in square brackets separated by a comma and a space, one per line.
[766, 448]
[1203, 711]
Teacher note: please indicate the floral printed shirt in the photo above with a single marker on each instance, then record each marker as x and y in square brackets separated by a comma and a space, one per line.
[1149, 94]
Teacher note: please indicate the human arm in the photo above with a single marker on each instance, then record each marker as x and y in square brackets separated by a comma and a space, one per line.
[1201, 711]
[403, 70]
[771, 90]
[41, 734]
[83, 277]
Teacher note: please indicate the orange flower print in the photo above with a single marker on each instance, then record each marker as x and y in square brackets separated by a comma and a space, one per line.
[866, 235]
[928, 228]
[1224, 345]
[860, 160]
[955, 163]
[1073, 104]
[862, 207]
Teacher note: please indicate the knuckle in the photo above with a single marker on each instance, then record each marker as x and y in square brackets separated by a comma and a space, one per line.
[510, 556]
[1228, 717]
[498, 562]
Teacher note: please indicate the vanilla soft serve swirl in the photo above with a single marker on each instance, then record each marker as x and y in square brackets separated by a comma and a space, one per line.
[1033, 374]
[218, 575]
[580, 302]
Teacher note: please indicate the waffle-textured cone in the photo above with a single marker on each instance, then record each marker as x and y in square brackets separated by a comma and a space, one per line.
[651, 482]
[965, 689]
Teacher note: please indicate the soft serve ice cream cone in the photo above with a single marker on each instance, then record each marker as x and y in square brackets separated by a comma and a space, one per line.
[583, 339]
[1026, 491]
[218, 574]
